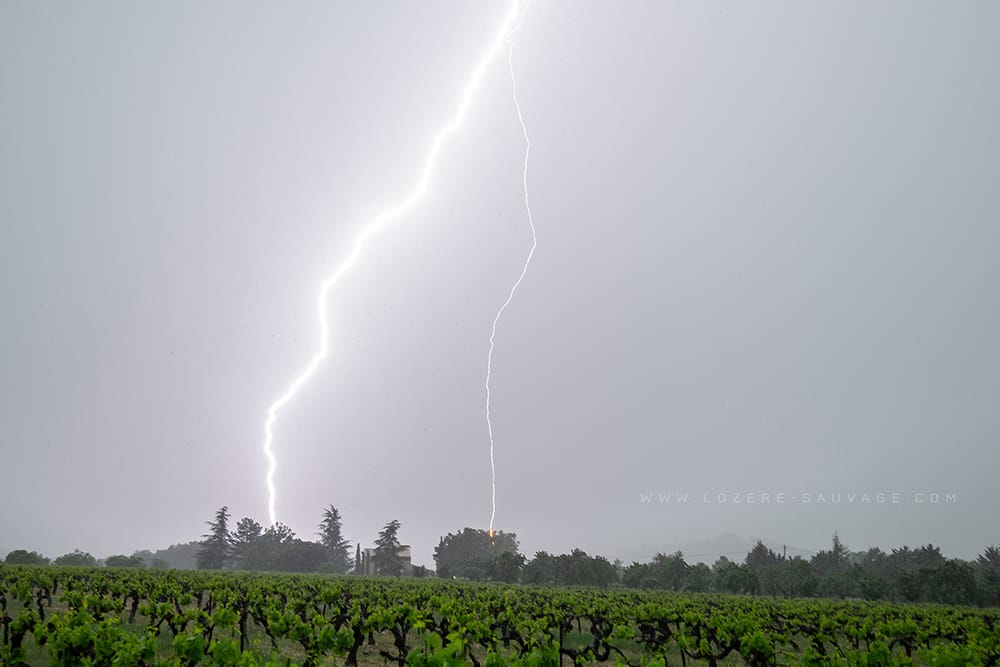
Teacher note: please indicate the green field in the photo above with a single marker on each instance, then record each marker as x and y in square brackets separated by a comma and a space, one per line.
[73, 616]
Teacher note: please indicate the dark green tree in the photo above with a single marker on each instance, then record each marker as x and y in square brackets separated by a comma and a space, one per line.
[277, 549]
[698, 578]
[833, 561]
[951, 582]
[767, 566]
[244, 539]
[216, 545]
[910, 560]
[733, 577]
[540, 570]
[77, 558]
[670, 571]
[303, 556]
[332, 538]
[988, 576]
[796, 578]
[24, 557]
[639, 575]
[120, 560]
[929, 557]
[603, 571]
[357, 559]
[875, 562]
[760, 556]
[387, 547]
[506, 567]
[576, 568]
[269, 550]
[835, 577]
[873, 587]
[469, 554]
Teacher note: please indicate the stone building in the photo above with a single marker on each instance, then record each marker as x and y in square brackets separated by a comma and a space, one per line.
[368, 560]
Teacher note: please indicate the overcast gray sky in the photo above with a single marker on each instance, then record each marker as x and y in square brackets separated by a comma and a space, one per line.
[767, 262]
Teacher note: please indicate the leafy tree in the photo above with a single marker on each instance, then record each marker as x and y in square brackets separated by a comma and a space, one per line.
[835, 576]
[638, 575]
[77, 558]
[875, 562]
[540, 570]
[247, 530]
[841, 584]
[470, 553]
[732, 577]
[279, 532]
[907, 585]
[244, 537]
[331, 536]
[928, 557]
[988, 576]
[833, 561]
[911, 572]
[216, 546]
[268, 551]
[604, 572]
[951, 582]
[276, 549]
[24, 557]
[576, 568]
[387, 547]
[506, 567]
[911, 560]
[872, 587]
[698, 579]
[669, 571]
[767, 566]
[357, 560]
[796, 578]
[120, 560]
[302, 556]
[760, 556]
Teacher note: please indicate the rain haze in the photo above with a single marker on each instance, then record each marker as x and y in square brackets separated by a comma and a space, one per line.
[766, 267]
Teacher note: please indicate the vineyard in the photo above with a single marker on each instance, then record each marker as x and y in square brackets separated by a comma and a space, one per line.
[76, 616]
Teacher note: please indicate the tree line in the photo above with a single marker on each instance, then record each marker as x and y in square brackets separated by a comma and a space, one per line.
[75, 558]
[250, 546]
[902, 575]
[923, 574]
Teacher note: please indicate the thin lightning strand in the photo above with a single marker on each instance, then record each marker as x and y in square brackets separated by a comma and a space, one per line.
[372, 227]
[524, 270]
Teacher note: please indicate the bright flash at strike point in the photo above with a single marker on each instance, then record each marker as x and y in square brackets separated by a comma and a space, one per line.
[366, 232]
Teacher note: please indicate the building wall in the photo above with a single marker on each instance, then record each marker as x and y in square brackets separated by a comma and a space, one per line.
[404, 555]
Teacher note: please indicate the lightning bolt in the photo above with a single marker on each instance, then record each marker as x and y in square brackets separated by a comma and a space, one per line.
[524, 269]
[388, 215]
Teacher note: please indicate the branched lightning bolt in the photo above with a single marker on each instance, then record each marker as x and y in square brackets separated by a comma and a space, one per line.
[524, 270]
[375, 225]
